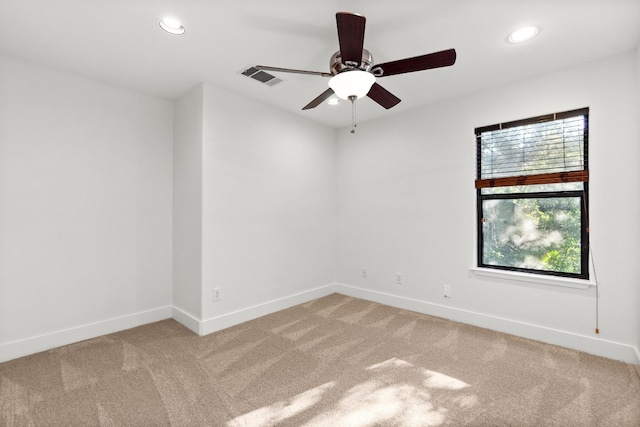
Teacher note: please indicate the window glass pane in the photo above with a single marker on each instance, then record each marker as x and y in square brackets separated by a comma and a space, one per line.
[533, 233]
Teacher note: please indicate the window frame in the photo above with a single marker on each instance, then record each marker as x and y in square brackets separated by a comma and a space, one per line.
[582, 195]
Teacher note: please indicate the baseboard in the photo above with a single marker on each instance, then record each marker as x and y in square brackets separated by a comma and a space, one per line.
[32, 345]
[227, 320]
[24, 347]
[596, 346]
[186, 319]
[591, 345]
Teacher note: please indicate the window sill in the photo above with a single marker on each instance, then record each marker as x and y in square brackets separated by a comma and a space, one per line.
[534, 278]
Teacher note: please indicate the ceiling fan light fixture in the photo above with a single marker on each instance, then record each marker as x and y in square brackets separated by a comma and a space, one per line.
[172, 26]
[333, 101]
[523, 34]
[352, 83]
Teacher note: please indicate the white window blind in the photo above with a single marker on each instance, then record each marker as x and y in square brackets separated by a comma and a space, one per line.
[541, 150]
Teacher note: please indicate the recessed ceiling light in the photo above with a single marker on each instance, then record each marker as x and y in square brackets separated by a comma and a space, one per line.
[172, 26]
[333, 101]
[523, 34]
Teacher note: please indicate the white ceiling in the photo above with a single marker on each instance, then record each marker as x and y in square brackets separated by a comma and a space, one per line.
[120, 42]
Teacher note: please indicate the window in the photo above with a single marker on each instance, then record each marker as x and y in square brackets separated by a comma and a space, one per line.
[533, 195]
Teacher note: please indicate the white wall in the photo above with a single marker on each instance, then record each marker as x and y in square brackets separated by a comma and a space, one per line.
[407, 204]
[269, 206]
[270, 209]
[85, 208]
[638, 196]
[187, 203]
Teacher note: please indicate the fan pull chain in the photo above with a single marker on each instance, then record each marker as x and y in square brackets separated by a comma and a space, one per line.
[353, 98]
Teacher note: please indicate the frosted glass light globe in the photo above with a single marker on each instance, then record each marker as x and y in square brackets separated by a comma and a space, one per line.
[352, 83]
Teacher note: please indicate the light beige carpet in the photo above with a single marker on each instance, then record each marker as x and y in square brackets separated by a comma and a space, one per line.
[335, 361]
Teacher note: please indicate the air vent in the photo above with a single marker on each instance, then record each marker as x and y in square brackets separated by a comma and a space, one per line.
[261, 76]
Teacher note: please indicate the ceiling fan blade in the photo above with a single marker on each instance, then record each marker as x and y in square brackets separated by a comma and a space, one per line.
[290, 70]
[351, 37]
[383, 96]
[319, 100]
[443, 58]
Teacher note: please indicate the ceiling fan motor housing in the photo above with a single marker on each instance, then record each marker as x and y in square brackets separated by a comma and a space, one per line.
[337, 66]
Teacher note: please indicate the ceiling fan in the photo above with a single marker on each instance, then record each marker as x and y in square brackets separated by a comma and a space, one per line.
[353, 72]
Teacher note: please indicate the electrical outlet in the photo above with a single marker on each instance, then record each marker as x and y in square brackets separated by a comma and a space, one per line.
[216, 294]
[446, 291]
[398, 278]
[364, 273]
